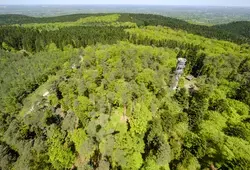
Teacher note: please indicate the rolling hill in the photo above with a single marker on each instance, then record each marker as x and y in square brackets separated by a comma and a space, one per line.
[241, 28]
[236, 32]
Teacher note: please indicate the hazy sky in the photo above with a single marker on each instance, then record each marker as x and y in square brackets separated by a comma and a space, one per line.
[145, 2]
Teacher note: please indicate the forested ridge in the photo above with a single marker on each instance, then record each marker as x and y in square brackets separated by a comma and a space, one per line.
[23, 19]
[240, 28]
[90, 91]
[236, 32]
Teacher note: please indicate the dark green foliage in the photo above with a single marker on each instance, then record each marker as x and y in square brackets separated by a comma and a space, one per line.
[240, 130]
[244, 90]
[156, 144]
[7, 157]
[33, 40]
[25, 74]
[182, 97]
[22, 19]
[197, 107]
[240, 28]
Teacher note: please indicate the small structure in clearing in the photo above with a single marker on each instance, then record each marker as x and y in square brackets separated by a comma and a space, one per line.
[189, 83]
[46, 94]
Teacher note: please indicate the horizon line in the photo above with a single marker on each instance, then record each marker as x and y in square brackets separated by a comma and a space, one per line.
[123, 5]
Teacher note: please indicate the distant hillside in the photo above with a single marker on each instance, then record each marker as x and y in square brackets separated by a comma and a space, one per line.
[23, 19]
[241, 28]
[206, 31]
[15, 19]
[229, 33]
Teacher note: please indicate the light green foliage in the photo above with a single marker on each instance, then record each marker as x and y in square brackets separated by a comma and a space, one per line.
[215, 130]
[127, 151]
[106, 109]
[59, 153]
[150, 164]
[78, 137]
[54, 100]
[216, 118]
[107, 79]
[68, 92]
[107, 18]
[169, 111]
[116, 122]
[145, 77]
[109, 104]
[7, 47]
[236, 148]
[231, 109]
[229, 88]
[81, 107]
[239, 107]
[51, 47]
[189, 163]
[159, 33]
[180, 130]
[122, 92]
[99, 21]
[140, 118]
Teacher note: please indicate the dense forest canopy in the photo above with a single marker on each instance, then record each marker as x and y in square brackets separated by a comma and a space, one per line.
[94, 92]
[240, 28]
